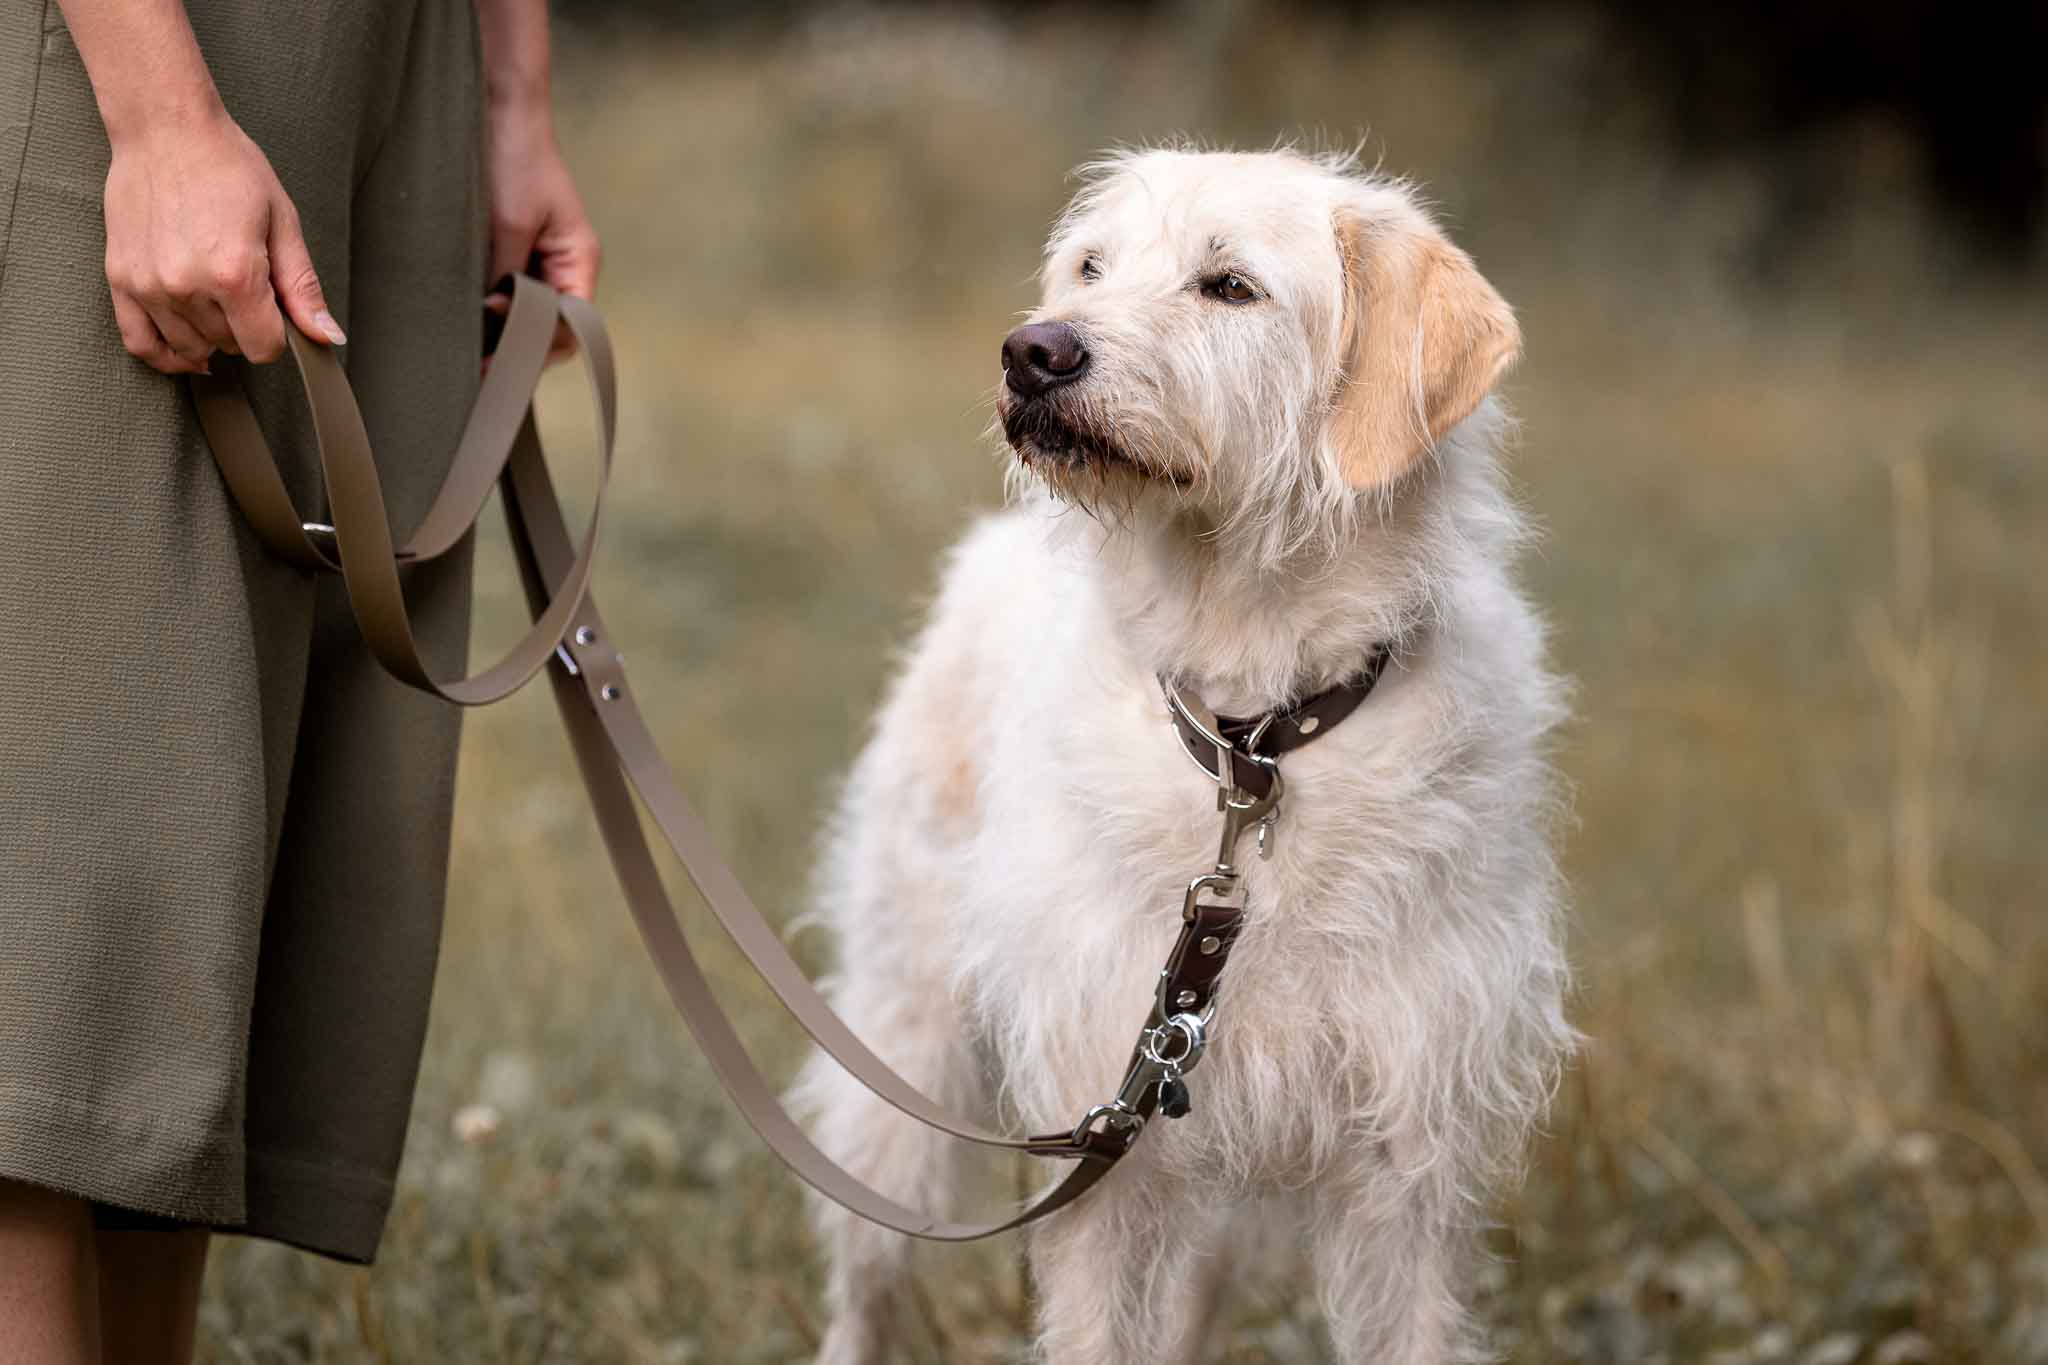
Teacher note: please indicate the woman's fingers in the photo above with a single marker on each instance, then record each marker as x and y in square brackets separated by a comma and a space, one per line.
[209, 319]
[143, 341]
[573, 256]
[569, 256]
[255, 323]
[177, 331]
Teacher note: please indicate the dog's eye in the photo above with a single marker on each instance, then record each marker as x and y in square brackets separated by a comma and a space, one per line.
[1091, 267]
[1230, 289]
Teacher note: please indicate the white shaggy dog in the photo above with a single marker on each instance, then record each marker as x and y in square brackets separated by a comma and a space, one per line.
[1265, 381]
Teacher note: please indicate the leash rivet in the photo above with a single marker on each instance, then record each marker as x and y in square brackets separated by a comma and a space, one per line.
[585, 636]
[1185, 999]
[610, 692]
[1309, 724]
[1210, 944]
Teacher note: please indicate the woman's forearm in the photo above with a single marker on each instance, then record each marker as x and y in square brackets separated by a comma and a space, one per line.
[145, 65]
[515, 42]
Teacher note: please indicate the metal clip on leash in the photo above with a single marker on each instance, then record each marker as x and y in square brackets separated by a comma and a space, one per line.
[1184, 1007]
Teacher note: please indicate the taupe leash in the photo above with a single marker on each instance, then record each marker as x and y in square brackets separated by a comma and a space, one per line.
[617, 755]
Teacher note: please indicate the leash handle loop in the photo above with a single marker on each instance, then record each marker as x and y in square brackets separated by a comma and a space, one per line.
[361, 549]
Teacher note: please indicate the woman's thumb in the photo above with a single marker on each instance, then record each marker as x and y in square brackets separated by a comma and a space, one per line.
[296, 282]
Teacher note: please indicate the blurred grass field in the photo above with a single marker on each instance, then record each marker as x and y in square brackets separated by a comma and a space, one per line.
[1793, 496]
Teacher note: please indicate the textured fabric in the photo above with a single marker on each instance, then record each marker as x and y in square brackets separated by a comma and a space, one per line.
[223, 833]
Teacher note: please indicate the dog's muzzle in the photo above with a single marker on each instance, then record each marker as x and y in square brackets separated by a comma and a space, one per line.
[1041, 356]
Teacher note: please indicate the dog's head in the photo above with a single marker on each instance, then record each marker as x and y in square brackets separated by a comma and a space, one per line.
[1271, 339]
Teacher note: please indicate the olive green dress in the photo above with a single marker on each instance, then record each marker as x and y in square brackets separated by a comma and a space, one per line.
[223, 832]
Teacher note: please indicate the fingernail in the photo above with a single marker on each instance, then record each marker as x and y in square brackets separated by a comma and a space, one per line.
[324, 320]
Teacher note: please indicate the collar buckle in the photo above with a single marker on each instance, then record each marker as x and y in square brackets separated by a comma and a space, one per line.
[1192, 714]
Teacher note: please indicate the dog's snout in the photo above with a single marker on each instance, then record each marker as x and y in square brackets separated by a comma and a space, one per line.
[1043, 355]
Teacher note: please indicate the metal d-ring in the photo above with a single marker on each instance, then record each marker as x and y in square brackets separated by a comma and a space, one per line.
[1117, 1112]
[1193, 1032]
[1220, 882]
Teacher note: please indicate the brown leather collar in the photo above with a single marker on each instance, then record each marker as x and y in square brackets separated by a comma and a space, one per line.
[1255, 741]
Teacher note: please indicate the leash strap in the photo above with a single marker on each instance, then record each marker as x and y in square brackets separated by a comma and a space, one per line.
[615, 751]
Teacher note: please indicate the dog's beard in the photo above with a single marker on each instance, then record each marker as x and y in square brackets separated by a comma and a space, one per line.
[1079, 461]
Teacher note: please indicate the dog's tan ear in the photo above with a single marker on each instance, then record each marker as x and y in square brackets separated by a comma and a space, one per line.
[1424, 337]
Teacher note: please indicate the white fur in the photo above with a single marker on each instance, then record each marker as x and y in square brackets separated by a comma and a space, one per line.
[1005, 874]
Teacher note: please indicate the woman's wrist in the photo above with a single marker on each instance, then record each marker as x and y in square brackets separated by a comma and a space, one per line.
[148, 74]
[134, 120]
[518, 75]
[518, 92]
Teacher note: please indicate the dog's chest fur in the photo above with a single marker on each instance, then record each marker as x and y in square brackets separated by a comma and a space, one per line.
[1068, 822]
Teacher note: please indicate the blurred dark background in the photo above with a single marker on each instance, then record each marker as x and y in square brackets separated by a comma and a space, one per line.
[1959, 90]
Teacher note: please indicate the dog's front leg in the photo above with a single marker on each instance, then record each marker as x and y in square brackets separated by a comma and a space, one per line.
[1127, 1276]
[1387, 1263]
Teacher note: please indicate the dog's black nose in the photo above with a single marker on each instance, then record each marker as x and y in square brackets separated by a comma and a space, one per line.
[1043, 355]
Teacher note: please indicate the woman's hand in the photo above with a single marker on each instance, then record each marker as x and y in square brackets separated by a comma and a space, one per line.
[538, 223]
[202, 242]
[201, 238]
[537, 220]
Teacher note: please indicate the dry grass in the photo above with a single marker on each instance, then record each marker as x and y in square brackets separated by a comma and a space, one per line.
[1793, 500]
